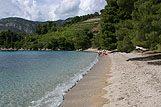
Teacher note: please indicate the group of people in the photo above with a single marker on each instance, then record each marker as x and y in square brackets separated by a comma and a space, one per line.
[102, 53]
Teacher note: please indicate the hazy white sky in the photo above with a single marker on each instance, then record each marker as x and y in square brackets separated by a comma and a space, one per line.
[48, 9]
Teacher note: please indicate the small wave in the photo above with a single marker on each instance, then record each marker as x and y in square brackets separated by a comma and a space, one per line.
[56, 97]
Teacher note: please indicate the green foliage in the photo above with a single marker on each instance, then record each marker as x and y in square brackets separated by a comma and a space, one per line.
[46, 27]
[77, 36]
[124, 24]
[82, 41]
[73, 34]
[126, 45]
[146, 16]
[108, 20]
[128, 23]
[96, 41]
[9, 39]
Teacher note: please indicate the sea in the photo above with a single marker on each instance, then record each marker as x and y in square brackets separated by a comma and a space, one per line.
[41, 78]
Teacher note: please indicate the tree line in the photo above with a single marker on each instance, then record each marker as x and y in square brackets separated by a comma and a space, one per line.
[124, 24]
[129, 23]
[73, 34]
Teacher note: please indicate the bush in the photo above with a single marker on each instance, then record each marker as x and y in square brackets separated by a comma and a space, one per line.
[126, 45]
[159, 47]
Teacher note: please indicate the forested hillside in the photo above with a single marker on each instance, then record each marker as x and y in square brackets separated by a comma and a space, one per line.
[75, 33]
[129, 23]
[124, 25]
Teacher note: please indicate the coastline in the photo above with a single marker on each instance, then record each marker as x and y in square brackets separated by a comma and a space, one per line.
[89, 91]
[62, 89]
[118, 80]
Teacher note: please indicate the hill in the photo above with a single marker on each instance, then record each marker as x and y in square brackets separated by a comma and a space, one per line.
[77, 36]
[18, 25]
[76, 33]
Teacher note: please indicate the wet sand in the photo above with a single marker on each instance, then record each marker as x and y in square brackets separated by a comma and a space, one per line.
[89, 91]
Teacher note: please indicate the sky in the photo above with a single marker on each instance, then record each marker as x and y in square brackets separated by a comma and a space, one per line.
[43, 10]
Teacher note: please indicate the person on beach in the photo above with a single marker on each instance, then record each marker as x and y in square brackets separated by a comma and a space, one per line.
[102, 53]
[99, 53]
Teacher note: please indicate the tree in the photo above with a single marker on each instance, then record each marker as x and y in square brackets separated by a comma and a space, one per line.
[8, 39]
[126, 45]
[109, 18]
[81, 41]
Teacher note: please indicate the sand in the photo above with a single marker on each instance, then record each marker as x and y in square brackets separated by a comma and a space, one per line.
[116, 82]
[133, 83]
[89, 91]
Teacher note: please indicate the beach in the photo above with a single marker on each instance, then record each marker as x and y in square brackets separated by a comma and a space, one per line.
[133, 83]
[118, 80]
[89, 91]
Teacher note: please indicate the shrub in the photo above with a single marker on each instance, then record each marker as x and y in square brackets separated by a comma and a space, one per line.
[126, 45]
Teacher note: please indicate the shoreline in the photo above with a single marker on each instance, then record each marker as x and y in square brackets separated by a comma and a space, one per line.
[123, 83]
[89, 90]
[64, 87]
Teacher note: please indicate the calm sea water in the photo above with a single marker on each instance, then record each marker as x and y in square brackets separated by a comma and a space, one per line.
[40, 78]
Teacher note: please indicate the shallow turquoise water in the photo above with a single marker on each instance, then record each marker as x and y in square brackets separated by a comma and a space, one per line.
[38, 78]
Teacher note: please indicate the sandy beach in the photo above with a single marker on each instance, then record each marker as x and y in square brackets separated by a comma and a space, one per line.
[116, 81]
[133, 83]
[89, 91]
